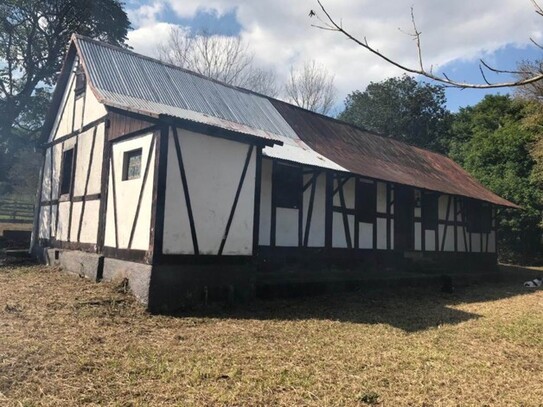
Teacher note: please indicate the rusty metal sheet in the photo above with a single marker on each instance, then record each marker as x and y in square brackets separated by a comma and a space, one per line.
[383, 158]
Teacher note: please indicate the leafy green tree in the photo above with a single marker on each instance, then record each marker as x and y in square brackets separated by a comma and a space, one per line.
[33, 41]
[404, 109]
[493, 141]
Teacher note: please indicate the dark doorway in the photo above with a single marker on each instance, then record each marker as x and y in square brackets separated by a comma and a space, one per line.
[404, 201]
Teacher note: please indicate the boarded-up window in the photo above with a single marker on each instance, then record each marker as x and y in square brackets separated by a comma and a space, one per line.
[132, 164]
[287, 186]
[479, 216]
[430, 214]
[366, 201]
[66, 179]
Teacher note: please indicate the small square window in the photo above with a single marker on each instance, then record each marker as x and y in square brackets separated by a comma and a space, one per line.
[67, 171]
[132, 164]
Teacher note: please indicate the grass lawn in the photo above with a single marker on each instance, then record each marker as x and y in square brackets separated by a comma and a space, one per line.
[65, 341]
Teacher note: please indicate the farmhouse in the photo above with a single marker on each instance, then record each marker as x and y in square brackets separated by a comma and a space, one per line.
[188, 188]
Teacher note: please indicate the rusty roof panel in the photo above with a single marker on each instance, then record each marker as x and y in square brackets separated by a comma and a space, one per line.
[383, 158]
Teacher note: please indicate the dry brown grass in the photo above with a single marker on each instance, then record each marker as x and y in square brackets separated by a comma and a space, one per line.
[65, 341]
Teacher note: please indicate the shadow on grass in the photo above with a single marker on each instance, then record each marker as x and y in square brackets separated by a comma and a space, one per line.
[410, 309]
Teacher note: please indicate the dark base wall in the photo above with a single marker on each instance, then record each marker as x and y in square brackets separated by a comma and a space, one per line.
[274, 259]
[184, 281]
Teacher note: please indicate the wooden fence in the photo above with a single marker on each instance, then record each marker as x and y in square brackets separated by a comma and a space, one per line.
[12, 211]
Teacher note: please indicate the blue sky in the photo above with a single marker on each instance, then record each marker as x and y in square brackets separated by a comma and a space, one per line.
[455, 36]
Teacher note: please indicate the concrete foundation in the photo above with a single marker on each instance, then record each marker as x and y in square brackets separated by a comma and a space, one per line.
[83, 264]
[137, 275]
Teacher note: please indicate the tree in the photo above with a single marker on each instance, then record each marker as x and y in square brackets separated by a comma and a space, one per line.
[534, 90]
[402, 108]
[494, 143]
[224, 58]
[33, 40]
[328, 23]
[311, 87]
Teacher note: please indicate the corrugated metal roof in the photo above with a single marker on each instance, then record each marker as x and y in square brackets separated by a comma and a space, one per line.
[382, 158]
[123, 79]
[126, 80]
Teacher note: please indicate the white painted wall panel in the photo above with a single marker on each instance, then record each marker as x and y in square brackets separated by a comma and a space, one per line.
[213, 168]
[177, 233]
[392, 234]
[461, 246]
[265, 203]
[127, 193]
[45, 216]
[492, 242]
[418, 242]
[338, 230]
[286, 230]
[381, 234]
[63, 123]
[78, 116]
[95, 180]
[57, 159]
[87, 109]
[349, 189]
[442, 206]
[53, 220]
[429, 240]
[449, 238]
[94, 110]
[82, 161]
[381, 197]
[365, 235]
[240, 236]
[318, 220]
[63, 221]
[89, 228]
[46, 179]
[74, 223]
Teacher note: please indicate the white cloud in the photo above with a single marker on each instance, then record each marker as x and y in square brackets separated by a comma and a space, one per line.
[280, 32]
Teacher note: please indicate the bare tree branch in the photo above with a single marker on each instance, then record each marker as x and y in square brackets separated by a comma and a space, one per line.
[328, 23]
[226, 59]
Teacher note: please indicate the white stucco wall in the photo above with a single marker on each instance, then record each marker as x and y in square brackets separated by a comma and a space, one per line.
[213, 167]
[74, 113]
[317, 226]
[127, 194]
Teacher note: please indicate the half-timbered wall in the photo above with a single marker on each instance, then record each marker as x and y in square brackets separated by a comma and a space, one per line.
[306, 226]
[80, 125]
[129, 201]
[349, 229]
[210, 191]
